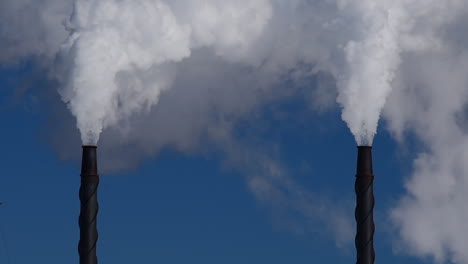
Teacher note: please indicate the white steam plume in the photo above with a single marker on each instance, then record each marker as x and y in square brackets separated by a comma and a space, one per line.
[116, 46]
[430, 102]
[372, 62]
[120, 55]
[122, 52]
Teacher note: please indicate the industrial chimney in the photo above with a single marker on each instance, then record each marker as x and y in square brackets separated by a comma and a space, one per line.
[364, 213]
[89, 206]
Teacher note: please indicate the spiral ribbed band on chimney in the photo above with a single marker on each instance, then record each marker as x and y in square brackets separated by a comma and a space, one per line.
[89, 206]
[364, 213]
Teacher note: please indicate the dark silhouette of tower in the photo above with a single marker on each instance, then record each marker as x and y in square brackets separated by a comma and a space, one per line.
[364, 213]
[89, 206]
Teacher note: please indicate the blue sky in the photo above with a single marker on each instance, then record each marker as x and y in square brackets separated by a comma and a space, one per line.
[178, 208]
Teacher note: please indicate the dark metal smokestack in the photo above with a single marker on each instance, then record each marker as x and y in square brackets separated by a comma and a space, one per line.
[364, 213]
[89, 206]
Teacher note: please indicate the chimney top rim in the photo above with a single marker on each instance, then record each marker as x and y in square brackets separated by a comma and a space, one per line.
[89, 146]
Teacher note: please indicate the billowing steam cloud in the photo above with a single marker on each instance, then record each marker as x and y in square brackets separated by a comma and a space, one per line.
[120, 55]
[372, 63]
[122, 52]
[117, 48]
[160, 72]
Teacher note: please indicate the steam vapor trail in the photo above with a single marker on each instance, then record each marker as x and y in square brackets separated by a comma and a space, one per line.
[121, 51]
[120, 55]
[115, 46]
[373, 62]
